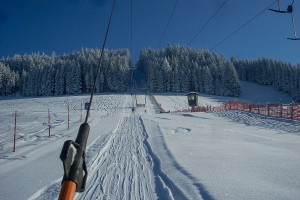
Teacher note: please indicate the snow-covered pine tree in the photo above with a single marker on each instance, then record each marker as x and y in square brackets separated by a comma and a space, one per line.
[111, 72]
[59, 81]
[7, 80]
[175, 82]
[167, 74]
[294, 83]
[47, 83]
[73, 83]
[185, 78]
[195, 77]
[207, 80]
[230, 82]
[200, 79]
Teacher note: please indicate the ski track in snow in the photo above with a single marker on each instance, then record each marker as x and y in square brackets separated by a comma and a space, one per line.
[122, 165]
[32, 127]
[169, 170]
[125, 167]
[48, 192]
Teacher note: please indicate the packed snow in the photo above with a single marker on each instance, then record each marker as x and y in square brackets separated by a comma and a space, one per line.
[142, 154]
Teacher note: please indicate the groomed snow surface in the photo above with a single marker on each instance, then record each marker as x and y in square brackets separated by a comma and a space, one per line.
[148, 155]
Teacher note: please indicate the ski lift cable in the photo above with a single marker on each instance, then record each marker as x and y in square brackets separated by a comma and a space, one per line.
[208, 21]
[131, 40]
[171, 16]
[73, 152]
[131, 29]
[100, 62]
[243, 26]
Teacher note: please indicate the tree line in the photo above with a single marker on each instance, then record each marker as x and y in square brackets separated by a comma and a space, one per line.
[42, 75]
[283, 76]
[181, 69]
[174, 68]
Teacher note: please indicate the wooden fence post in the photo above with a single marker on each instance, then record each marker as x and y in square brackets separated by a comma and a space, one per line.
[49, 122]
[292, 111]
[68, 117]
[81, 112]
[15, 132]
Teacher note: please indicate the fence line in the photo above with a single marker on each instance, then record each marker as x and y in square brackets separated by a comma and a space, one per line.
[291, 111]
[49, 116]
[48, 124]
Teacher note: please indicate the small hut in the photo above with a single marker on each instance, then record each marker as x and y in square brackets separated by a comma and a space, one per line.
[192, 99]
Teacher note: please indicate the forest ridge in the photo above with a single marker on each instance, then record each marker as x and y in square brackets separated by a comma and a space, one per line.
[174, 68]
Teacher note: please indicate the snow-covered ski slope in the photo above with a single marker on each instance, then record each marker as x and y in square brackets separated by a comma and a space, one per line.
[147, 155]
[254, 93]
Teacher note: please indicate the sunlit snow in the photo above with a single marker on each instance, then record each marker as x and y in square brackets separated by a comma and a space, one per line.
[143, 154]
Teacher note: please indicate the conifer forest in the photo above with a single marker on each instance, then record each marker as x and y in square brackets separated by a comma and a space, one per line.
[174, 68]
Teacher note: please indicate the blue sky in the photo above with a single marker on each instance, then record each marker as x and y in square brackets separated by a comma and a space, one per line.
[64, 26]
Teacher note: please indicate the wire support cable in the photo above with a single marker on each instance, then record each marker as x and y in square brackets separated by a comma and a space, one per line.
[208, 21]
[243, 26]
[171, 16]
[131, 27]
[100, 62]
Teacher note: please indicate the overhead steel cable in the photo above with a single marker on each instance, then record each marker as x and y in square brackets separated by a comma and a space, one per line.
[131, 28]
[100, 62]
[131, 43]
[243, 26]
[171, 16]
[208, 21]
[73, 152]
